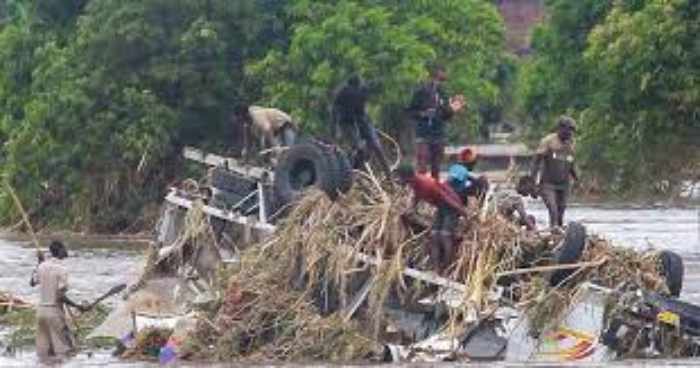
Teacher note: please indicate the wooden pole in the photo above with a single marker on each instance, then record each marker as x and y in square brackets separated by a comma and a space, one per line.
[25, 218]
[521, 271]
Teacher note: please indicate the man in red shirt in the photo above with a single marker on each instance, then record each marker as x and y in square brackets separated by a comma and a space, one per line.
[448, 209]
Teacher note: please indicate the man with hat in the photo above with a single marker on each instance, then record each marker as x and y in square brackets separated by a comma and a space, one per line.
[461, 176]
[554, 160]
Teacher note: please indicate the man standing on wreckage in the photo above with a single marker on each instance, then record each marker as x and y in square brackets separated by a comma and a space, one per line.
[430, 110]
[449, 208]
[554, 160]
[351, 119]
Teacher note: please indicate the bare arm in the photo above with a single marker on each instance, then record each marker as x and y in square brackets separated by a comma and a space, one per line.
[542, 151]
[574, 173]
[67, 301]
[536, 166]
[34, 280]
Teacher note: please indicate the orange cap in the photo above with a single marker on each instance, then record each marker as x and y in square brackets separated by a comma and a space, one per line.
[467, 155]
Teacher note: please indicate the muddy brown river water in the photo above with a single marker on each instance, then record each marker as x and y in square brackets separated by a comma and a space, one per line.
[95, 269]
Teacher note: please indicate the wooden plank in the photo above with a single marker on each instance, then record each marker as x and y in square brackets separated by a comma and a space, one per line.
[231, 164]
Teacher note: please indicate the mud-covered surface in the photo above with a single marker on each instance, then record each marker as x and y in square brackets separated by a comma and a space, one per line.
[94, 270]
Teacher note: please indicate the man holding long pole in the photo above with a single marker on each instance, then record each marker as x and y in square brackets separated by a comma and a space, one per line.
[54, 340]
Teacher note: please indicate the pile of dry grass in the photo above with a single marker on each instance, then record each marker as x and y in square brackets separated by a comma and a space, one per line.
[286, 301]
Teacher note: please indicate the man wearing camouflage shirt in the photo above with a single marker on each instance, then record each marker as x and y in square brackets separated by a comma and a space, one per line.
[554, 160]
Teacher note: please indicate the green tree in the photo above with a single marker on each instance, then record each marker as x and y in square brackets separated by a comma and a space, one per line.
[645, 108]
[389, 42]
[556, 79]
[100, 96]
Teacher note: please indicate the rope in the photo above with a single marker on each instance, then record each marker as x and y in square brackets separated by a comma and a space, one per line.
[397, 147]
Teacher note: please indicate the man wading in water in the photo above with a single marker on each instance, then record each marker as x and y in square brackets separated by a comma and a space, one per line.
[54, 339]
[555, 160]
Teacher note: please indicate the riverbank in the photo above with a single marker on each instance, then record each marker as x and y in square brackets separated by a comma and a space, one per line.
[93, 270]
[83, 240]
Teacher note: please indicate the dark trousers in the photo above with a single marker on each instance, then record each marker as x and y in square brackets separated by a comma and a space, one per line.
[555, 199]
[364, 140]
[441, 247]
[429, 154]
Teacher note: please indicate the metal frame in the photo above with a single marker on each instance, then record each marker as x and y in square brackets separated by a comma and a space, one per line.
[258, 224]
[228, 163]
[262, 224]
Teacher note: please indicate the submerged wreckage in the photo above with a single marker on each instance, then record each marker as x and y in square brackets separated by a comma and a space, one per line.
[246, 267]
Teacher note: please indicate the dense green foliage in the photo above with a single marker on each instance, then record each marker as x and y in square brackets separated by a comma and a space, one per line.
[388, 42]
[628, 70]
[98, 97]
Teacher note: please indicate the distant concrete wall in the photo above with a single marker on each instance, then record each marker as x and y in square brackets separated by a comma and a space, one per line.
[520, 17]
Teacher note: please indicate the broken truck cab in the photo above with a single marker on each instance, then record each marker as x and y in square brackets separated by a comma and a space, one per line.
[601, 325]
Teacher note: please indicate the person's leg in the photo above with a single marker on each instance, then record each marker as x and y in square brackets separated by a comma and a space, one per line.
[562, 198]
[369, 133]
[436, 247]
[359, 145]
[43, 338]
[437, 151]
[422, 155]
[550, 200]
[421, 150]
[61, 337]
[446, 251]
[449, 227]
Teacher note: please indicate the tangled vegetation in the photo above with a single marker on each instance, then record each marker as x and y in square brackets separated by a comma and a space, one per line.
[300, 295]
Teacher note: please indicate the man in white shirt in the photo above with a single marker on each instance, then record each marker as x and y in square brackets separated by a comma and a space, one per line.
[53, 337]
[273, 127]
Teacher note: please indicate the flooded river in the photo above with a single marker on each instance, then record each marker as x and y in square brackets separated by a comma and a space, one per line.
[94, 270]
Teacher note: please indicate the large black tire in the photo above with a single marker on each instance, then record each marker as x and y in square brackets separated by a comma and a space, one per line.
[302, 166]
[570, 251]
[673, 270]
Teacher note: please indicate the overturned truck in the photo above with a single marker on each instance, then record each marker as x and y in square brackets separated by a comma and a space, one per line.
[312, 261]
